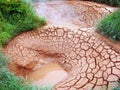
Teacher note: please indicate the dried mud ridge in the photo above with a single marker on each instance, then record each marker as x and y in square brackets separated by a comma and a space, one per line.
[91, 62]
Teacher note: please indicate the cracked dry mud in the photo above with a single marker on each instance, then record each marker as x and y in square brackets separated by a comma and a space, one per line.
[92, 62]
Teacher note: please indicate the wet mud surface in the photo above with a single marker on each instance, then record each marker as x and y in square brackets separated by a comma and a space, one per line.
[80, 14]
[49, 74]
[68, 48]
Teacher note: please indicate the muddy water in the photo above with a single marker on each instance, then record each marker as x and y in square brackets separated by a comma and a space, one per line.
[50, 73]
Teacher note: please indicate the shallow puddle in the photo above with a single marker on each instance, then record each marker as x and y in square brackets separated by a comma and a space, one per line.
[50, 73]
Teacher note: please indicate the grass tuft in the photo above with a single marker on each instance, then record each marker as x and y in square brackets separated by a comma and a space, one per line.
[110, 25]
[17, 16]
[8, 81]
[46, 87]
[115, 3]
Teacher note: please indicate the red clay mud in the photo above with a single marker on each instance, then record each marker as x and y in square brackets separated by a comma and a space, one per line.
[91, 63]
[81, 14]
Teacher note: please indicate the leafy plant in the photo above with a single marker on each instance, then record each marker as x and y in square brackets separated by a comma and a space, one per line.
[109, 2]
[110, 25]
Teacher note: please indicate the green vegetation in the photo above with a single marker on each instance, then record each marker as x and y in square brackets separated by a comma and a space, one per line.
[46, 87]
[8, 81]
[17, 16]
[110, 25]
[109, 2]
[117, 86]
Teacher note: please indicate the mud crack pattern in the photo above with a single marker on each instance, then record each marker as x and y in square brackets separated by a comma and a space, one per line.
[93, 63]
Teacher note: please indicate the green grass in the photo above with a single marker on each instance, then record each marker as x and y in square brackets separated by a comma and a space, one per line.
[8, 81]
[117, 86]
[3, 61]
[46, 87]
[17, 16]
[109, 2]
[110, 25]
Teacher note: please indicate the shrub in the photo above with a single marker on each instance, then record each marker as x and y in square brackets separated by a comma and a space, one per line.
[17, 16]
[109, 2]
[110, 25]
